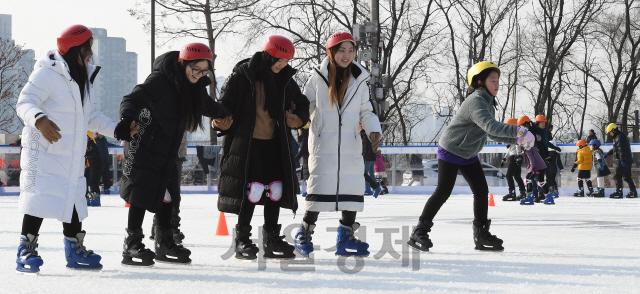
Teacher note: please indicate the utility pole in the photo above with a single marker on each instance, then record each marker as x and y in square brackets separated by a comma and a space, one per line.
[153, 33]
[370, 54]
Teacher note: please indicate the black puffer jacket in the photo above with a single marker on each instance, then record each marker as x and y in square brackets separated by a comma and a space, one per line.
[151, 155]
[621, 148]
[238, 95]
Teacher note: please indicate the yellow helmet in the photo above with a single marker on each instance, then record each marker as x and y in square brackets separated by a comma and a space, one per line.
[90, 134]
[477, 68]
[611, 126]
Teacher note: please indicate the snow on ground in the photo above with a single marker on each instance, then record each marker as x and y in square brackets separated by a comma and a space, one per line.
[580, 245]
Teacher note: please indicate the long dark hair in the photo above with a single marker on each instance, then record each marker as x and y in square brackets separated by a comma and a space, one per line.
[336, 95]
[78, 71]
[191, 107]
[265, 75]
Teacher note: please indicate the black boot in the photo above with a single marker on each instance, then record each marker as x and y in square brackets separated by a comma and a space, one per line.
[420, 237]
[274, 245]
[178, 236]
[245, 248]
[483, 239]
[510, 197]
[166, 248]
[616, 194]
[632, 194]
[134, 248]
[523, 195]
[541, 197]
[579, 193]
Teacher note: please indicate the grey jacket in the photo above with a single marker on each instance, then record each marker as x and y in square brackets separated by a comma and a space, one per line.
[474, 121]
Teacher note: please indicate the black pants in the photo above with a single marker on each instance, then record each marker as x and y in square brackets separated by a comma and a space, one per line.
[348, 217]
[514, 172]
[31, 225]
[94, 173]
[372, 182]
[265, 167]
[107, 175]
[473, 174]
[624, 173]
[537, 178]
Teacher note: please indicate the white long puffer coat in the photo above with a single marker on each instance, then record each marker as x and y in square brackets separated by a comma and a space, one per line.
[336, 166]
[52, 178]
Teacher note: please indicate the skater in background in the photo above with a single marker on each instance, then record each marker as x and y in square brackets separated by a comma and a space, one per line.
[381, 172]
[554, 164]
[460, 144]
[600, 165]
[93, 171]
[57, 107]
[592, 136]
[535, 176]
[584, 165]
[303, 156]
[258, 167]
[171, 100]
[107, 160]
[514, 158]
[371, 185]
[339, 96]
[623, 159]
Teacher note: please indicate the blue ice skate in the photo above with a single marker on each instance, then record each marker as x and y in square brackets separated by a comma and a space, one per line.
[29, 262]
[527, 200]
[368, 192]
[303, 239]
[94, 199]
[106, 191]
[549, 200]
[377, 192]
[78, 257]
[347, 244]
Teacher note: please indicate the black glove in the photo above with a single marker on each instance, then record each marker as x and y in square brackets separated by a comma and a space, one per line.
[548, 159]
[573, 169]
[502, 163]
[519, 160]
[123, 129]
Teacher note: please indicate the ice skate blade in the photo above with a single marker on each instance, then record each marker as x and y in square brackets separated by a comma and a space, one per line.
[355, 254]
[246, 258]
[275, 258]
[137, 265]
[129, 262]
[84, 268]
[28, 273]
[483, 248]
[173, 262]
[170, 260]
[418, 247]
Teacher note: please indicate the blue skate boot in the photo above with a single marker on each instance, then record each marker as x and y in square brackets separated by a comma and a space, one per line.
[549, 200]
[377, 192]
[368, 192]
[94, 199]
[78, 257]
[303, 239]
[29, 262]
[347, 244]
[106, 191]
[527, 200]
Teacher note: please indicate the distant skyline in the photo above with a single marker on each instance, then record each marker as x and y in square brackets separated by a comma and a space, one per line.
[37, 23]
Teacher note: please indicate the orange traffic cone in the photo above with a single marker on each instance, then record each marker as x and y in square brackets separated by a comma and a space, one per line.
[491, 203]
[126, 204]
[222, 226]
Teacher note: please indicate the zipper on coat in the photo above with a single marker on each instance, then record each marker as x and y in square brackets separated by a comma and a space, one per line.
[246, 164]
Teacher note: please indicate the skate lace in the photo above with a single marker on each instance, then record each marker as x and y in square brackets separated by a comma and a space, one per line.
[30, 250]
[81, 248]
[351, 237]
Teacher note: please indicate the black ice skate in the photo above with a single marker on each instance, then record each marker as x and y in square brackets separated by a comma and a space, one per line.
[598, 194]
[632, 194]
[134, 252]
[483, 239]
[541, 197]
[523, 195]
[420, 237]
[590, 193]
[274, 246]
[510, 197]
[579, 193]
[166, 248]
[617, 194]
[245, 248]
[178, 236]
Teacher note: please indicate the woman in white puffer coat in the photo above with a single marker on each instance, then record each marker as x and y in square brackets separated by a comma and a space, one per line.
[57, 108]
[339, 100]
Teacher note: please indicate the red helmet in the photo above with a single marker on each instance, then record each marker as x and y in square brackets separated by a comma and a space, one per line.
[340, 37]
[72, 36]
[523, 119]
[279, 47]
[193, 51]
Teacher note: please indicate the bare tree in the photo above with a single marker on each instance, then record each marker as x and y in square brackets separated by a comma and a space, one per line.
[12, 78]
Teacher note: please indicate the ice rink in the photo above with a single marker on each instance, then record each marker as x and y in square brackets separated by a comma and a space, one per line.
[579, 245]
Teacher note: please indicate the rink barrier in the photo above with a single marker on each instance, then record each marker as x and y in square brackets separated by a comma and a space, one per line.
[211, 188]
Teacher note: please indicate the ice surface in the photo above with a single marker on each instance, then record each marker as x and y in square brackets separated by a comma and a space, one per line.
[579, 245]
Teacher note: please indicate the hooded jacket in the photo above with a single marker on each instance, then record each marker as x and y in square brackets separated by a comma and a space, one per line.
[239, 96]
[584, 161]
[150, 156]
[621, 148]
[52, 181]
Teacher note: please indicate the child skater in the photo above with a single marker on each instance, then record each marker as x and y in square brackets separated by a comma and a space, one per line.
[584, 165]
[514, 157]
[602, 169]
[536, 170]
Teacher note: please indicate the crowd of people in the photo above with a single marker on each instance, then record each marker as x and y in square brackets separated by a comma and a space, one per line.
[260, 105]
